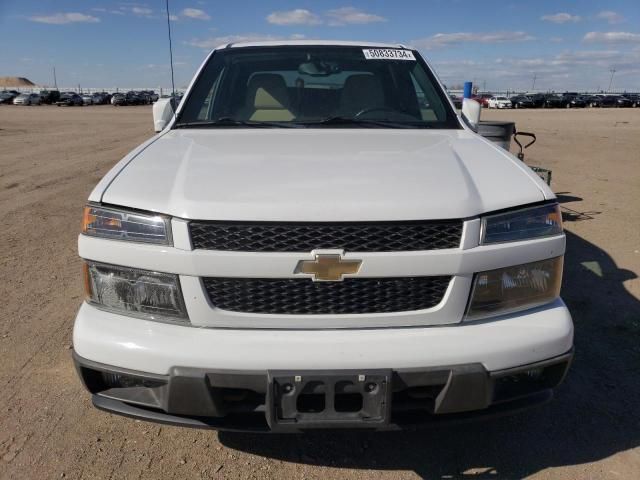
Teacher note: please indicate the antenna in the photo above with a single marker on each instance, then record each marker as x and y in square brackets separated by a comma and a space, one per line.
[173, 85]
[613, 72]
[55, 80]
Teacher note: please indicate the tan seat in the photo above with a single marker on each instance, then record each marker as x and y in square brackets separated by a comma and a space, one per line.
[268, 98]
[361, 92]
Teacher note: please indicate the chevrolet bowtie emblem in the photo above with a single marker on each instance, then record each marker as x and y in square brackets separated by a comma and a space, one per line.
[328, 268]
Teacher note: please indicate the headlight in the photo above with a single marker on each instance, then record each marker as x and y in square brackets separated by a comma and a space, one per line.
[525, 224]
[139, 293]
[122, 225]
[508, 290]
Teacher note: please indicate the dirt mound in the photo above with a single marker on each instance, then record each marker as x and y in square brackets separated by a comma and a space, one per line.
[16, 82]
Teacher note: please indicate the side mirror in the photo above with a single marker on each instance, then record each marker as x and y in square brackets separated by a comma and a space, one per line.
[162, 113]
[471, 112]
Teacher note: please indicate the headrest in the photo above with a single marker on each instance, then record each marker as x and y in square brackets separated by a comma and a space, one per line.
[267, 91]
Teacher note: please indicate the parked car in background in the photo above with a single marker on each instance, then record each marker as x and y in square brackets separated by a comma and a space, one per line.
[483, 99]
[616, 101]
[49, 97]
[152, 95]
[538, 99]
[634, 98]
[572, 101]
[132, 98]
[6, 97]
[87, 99]
[97, 98]
[69, 99]
[15, 93]
[27, 99]
[585, 98]
[145, 98]
[552, 100]
[118, 99]
[105, 98]
[593, 101]
[499, 102]
[522, 101]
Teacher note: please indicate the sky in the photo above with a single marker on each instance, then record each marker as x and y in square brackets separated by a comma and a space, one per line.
[509, 44]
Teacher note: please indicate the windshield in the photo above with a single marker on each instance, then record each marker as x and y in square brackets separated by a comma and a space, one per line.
[315, 86]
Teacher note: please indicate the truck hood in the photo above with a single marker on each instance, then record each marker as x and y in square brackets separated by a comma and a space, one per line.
[321, 175]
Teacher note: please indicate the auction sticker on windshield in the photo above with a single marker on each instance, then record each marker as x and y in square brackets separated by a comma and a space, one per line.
[387, 54]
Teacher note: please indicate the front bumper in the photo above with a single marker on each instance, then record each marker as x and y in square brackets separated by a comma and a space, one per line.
[498, 344]
[244, 401]
[219, 378]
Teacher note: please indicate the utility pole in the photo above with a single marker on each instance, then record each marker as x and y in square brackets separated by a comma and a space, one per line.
[533, 87]
[55, 80]
[613, 72]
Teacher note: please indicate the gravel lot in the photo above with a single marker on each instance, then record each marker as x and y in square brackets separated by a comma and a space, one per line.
[50, 158]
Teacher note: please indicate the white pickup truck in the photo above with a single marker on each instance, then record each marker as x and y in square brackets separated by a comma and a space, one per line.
[315, 239]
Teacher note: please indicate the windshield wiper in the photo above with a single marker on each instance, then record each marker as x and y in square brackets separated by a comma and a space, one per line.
[335, 120]
[232, 122]
[338, 120]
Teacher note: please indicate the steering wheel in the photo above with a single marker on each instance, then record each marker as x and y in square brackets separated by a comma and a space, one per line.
[364, 111]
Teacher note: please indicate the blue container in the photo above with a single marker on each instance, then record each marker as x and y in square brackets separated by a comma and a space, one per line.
[468, 86]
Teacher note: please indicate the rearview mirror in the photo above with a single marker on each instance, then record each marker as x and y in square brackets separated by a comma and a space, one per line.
[162, 113]
[471, 112]
[318, 69]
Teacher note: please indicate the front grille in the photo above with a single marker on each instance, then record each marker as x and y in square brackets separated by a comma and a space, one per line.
[305, 237]
[306, 297]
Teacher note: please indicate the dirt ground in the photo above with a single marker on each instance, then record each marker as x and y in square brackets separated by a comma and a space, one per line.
[50, 158]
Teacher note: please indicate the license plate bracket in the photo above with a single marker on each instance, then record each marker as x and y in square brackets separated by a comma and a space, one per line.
[328, 399]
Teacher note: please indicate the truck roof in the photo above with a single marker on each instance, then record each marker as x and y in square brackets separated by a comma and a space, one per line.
[275, 43]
